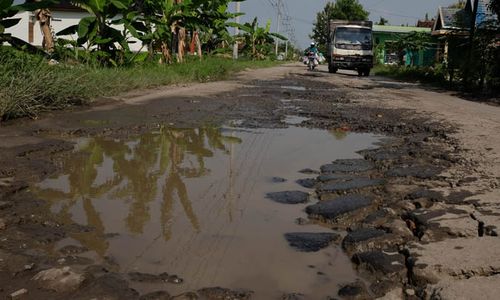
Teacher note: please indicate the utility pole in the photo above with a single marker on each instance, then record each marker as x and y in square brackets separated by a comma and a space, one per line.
[472, 32]
[278, 6]
[286, 49]
[236, 31]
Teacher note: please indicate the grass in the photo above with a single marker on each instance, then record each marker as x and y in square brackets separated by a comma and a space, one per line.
[432, 75]
[29, 85]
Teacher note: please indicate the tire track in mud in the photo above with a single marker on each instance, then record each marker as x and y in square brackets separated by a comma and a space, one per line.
[214, 207]
[216, 243]
[264, 152]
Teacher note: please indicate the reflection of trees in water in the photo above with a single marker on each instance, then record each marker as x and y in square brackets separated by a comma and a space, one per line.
[339, 133]
[141, 168]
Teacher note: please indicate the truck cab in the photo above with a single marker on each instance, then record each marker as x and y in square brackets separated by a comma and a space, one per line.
[350, 46]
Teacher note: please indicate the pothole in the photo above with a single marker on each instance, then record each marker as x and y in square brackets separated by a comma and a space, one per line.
[192, 203]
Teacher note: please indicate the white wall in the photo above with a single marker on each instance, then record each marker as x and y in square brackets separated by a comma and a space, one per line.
[21, 29]
[61, 20]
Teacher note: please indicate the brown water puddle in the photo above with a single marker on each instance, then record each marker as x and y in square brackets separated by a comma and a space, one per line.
[191, 202]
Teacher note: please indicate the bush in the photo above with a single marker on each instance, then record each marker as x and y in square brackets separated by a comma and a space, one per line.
[434, 75]
[28, 84]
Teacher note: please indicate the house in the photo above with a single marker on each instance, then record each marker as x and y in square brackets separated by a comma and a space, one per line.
[384, 35]
[483, 14]
[426, 23]
[63, 15]
[452, 20]
[453, 26]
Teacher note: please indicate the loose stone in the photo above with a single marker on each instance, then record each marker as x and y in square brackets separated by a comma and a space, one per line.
[19, 294]
[289, 197]
[310, 241]
[333, 209]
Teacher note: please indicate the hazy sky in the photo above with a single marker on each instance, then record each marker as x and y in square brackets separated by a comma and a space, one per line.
[303, 12]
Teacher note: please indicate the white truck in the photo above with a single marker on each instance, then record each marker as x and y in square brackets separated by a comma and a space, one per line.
[350, 46]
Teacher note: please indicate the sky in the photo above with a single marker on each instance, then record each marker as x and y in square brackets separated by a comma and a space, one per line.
[303, 12]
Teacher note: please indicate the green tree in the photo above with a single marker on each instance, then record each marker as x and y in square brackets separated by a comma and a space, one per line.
[8, 11]
[350, 10]
[258, 39]
[460, 5]
[383, 21]
[410, 44]
[495, 7]
[212, 20]
[107, 44]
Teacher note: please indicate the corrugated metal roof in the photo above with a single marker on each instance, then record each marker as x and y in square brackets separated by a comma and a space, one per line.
[399, 29]
[452, 18]
[483, 12]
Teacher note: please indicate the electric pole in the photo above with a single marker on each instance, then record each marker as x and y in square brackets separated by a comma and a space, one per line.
[286, 49]
[236, 31]
[278, 6]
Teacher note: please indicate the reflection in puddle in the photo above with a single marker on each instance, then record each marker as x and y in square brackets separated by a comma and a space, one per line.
[192, 202]
[295, 120]
[293, 100]
[293, 87]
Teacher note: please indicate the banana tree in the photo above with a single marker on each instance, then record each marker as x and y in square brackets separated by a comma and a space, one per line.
[163, 26]
[213, 19]
[259, 37]
[44, 18]
[8, 11]
[97, 32]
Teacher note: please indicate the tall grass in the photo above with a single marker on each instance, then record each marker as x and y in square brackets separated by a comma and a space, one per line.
[29, 85]
[433, 75]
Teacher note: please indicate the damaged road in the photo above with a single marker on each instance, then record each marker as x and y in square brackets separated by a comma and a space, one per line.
[356, 188]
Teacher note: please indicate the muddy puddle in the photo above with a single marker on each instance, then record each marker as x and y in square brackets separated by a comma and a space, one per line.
[192, 202]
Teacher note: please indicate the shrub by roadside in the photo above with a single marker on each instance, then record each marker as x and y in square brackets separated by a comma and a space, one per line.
[433, 75]
[30, 85]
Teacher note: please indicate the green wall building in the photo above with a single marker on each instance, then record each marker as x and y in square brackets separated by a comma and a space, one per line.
[383, 35]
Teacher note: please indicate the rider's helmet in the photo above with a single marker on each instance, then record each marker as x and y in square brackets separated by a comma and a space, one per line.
[313, 44]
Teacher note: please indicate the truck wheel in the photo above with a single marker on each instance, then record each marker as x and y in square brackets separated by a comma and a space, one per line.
[366, 72]
[360, 72]
[332, 69]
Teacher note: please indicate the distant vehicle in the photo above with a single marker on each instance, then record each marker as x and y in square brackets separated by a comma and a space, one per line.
[312, 60]
[350, 46]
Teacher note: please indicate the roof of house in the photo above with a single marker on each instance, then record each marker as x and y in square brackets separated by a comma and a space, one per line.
[426, 23]
[460, 19]
[399, 29]
[452, 19]
[484, 14]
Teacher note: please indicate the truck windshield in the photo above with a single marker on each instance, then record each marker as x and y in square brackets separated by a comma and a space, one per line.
[353, 38]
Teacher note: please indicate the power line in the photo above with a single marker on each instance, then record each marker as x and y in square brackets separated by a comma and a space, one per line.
[389, 13]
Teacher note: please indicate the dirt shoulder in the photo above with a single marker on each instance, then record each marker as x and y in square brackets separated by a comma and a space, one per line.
[429, 228]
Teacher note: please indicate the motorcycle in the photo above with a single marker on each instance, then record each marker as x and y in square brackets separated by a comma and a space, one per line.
[312, 61]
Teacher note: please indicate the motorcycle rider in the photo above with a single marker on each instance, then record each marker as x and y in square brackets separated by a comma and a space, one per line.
[310, 51]
[313, 48]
